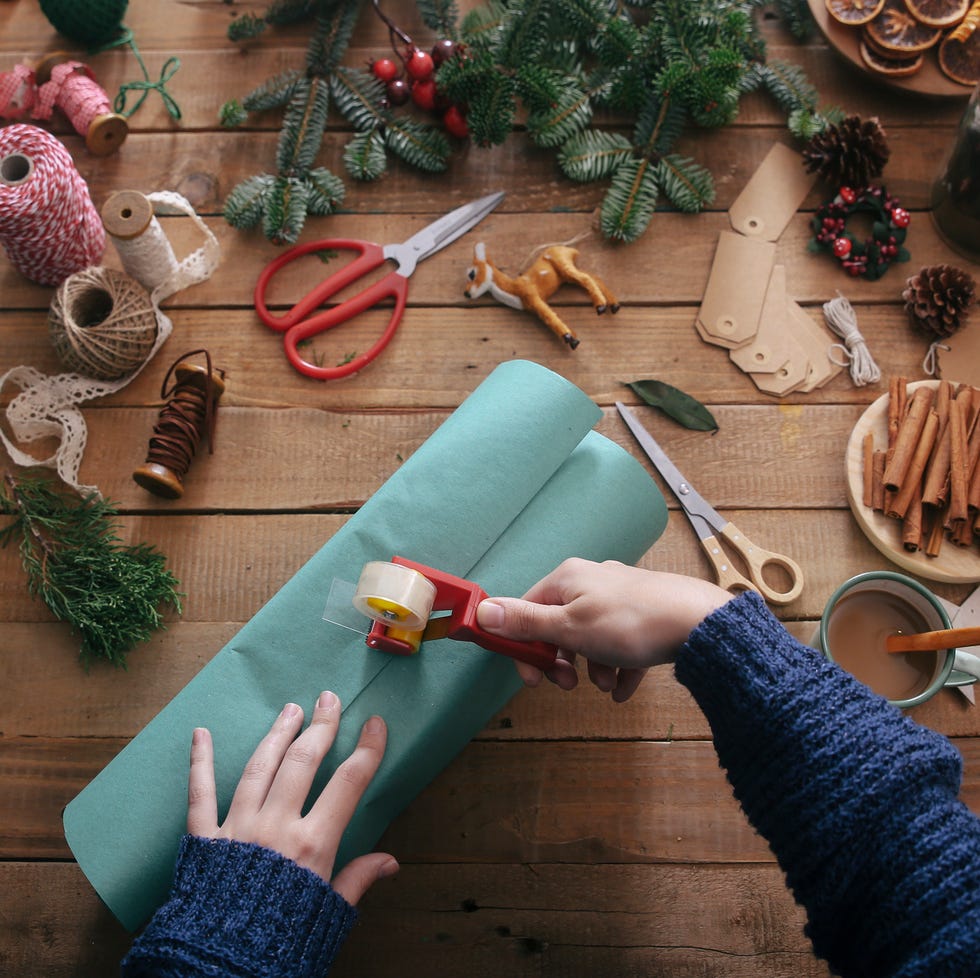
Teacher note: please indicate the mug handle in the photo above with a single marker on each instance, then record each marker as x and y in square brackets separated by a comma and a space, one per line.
[966, 669]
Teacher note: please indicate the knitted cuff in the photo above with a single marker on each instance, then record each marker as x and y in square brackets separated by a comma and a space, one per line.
[239, 909]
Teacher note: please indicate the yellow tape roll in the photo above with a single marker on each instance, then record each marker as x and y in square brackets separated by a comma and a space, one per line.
[394, 595]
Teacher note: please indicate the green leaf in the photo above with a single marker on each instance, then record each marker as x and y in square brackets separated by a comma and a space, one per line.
[683, 408]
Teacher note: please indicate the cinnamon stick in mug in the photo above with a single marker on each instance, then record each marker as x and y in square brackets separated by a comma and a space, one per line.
[909, 433]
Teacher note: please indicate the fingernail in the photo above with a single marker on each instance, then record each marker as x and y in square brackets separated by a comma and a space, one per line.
[388, 869]
[489, 614]
[290, 710]
[199, 736]
[327, 699]
[375, 725]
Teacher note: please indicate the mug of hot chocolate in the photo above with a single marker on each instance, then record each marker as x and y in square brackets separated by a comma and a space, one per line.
[860, 616]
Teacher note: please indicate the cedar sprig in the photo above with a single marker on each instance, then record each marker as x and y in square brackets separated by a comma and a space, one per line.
[110, 594]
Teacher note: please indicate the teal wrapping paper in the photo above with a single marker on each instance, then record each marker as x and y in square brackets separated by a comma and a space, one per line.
[512, 483]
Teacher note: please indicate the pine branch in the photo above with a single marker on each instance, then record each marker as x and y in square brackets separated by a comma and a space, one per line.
[365, 157]
[631, 201]
[423, 146]
[109, 594]
[594, 155]
[440, 16]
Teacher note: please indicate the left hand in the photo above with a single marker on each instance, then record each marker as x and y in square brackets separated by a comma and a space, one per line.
[267, 806]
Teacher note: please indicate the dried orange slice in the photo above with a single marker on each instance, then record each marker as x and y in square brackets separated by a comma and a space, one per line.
[960, 60]
[854, 12]
[900, 67]
[938, 13]
[896, 31]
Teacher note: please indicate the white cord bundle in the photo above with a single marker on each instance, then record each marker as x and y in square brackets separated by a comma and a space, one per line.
[842, 319]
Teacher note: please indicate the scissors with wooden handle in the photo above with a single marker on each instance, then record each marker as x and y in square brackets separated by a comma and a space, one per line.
[710, 525]
[303, 321]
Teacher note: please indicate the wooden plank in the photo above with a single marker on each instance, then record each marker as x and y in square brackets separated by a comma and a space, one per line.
[467, 343]
[648, 802]
[229, 566]
[487, 922]
[668, 266]
[108, 703]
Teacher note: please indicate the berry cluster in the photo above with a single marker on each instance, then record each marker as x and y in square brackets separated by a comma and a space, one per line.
[869, 259]
[415, 79]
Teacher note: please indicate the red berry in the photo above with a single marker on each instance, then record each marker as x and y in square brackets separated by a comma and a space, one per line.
[842, 247]
[384, 69]
[848, 195]
[419, 66]
[398, 91]
[901, 217]
[455, 122]
[424, 94]
[443, 50]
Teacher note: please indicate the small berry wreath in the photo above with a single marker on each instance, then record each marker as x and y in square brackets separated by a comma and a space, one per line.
[869, 259]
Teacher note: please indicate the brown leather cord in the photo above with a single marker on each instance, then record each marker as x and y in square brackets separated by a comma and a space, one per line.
[189, 414]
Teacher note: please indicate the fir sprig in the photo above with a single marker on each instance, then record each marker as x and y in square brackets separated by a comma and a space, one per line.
[110, 594]
[552, 66]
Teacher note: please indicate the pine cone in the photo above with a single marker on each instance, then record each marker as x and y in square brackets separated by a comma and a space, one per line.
[850, 154]
[937, 300]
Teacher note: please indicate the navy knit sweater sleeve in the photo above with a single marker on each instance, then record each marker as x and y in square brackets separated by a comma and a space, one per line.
[858, 803]
[237, 909]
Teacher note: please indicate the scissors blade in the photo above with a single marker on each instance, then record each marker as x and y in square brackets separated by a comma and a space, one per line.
[702, 515]
[438, 234]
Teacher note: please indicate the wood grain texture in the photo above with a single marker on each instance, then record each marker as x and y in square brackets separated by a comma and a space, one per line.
[573, 837]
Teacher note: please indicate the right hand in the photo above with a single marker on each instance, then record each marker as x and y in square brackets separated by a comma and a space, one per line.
[622, 619]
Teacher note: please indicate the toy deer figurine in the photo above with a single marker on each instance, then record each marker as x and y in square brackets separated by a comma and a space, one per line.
[532, 289]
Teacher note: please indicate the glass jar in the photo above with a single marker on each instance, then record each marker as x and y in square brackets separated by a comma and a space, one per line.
[956, 194]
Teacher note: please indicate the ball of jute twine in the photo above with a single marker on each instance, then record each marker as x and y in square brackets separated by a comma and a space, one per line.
[102, 323]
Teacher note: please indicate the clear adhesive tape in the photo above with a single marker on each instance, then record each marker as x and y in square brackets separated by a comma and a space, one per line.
[394, 594]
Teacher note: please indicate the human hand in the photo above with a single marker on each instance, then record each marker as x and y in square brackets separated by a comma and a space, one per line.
[267, 805]
[622, 619]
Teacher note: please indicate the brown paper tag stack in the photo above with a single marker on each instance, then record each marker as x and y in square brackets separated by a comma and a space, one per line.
[746, 308]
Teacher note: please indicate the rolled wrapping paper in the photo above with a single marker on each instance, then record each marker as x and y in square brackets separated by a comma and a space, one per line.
[49, 226]
[511, 484]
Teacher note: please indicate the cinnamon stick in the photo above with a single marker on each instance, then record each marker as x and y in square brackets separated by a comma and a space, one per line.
[912, 525]
[911, 487]
[957, 462]
[935, 485]
[909, 433]
[877, 482]
[897, 393]
[867, 468]
[936, 533]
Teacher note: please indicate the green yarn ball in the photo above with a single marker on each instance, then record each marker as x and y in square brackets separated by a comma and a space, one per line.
[90, 23]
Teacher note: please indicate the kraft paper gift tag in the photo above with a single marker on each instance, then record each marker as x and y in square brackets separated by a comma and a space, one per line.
[772, 346]
[772, 196]
[512, 483]
[816, 341]
[734, 295]
[961, 361]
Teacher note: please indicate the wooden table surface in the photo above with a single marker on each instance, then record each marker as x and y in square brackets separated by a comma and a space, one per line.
[513, 863]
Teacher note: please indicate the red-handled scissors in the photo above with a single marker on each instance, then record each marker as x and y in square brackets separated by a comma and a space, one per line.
[303, 321]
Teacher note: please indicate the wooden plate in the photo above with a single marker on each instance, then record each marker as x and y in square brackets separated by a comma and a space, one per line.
[954, 565]
[928, 80]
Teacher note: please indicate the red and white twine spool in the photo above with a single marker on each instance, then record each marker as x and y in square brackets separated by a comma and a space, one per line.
[49, 226]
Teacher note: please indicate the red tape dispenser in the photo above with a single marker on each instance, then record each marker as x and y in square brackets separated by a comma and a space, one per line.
[401, 596]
